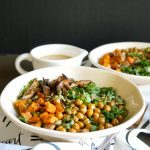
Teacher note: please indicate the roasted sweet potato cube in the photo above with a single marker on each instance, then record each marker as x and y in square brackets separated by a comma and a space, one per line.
[51, 119]
[33, 107]
[114, 65]
[48, 118]
[118, 58]
[49, 107]
[40, 95]
[41, 101]
[105, 60]
[38, 124]
[21, 105]
[59, 108]
[130, 60]
[34, 118]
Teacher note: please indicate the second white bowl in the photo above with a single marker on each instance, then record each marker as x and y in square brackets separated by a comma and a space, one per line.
[100, 51]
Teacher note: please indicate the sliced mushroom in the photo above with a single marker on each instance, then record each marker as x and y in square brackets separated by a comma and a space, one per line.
[65, 83]
[31, 90]
[46, 90]
[80, 83]
[54, 83]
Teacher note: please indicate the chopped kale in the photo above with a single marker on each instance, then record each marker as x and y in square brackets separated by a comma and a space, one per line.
[21, 118]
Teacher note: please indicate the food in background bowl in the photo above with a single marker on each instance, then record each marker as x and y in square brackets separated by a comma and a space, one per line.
[67, 105]
[134, 102]
[137, 74]
[134, 61]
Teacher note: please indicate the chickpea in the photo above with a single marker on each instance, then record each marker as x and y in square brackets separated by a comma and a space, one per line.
[107, 108]
[101, 115]
[76, 108]
[58, 122]
[56, 101]
[67, 117]
[89, 112]
[59, 115]
[120, 118]
[72, 130]
[81, 124]
[101, 120]
[100, 105]
[61, 128]
[85, 130]
[115, 122]
[73, 105]
[88, 126]
[73, 111]
[101, 126]
[83, 108]
[78, 102]
[95, 116]
[84, 117]
[86, 121]
[97, 110]
[108, 125]
[68, 110]
[76, 126]
[76, 119]
[112, 103]
[91, 106]
[80, 115]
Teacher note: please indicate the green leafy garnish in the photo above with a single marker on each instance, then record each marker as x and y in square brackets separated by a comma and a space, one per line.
[21, 118]
[141, 65]
[115, 112]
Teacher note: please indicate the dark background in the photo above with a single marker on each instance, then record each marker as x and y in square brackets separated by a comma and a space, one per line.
[25, 24]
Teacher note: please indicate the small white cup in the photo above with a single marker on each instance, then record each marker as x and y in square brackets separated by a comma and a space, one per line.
[77, 54]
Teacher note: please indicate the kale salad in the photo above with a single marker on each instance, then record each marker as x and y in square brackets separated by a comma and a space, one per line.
[134, 61]
[67, 105]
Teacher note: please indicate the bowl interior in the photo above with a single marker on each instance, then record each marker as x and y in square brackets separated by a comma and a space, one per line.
[100, 51]
[128, 90]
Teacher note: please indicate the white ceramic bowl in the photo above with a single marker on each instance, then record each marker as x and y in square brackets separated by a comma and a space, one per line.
[98, 52]
[128, 90]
